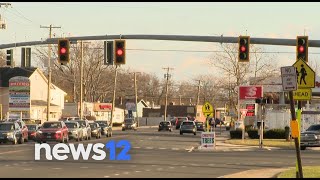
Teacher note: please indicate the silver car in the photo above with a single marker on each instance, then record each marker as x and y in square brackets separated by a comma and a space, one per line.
[75, 130]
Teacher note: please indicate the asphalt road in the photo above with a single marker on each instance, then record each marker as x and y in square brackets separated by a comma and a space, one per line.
[153, 154]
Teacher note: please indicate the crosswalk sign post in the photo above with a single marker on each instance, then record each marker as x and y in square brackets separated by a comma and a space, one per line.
[207, 110]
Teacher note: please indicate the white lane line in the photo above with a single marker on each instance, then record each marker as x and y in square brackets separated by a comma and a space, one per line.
[171, 167]
[183, 166]
[191, 149]
[9, 152]
[56, 168]
[137, 171]
[116, 174]
[211, 164]
[136, 147]
[27, 169]
[162, 148]
[7, 165]
[126, 173]
[153, 165]
[106, 176]
[175, 148]
[194, 164]
[159, 169]
[149, 147]
[83, 167]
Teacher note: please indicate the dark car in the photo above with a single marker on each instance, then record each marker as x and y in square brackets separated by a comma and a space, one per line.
[32, 131]
[165, 125]
[74, 130]
[311, 137]
[11, 132]
[106, 129]
[188, 127]
[179, 120]
[95, 130]
[53, 131]
[129, 123]
[200, 126]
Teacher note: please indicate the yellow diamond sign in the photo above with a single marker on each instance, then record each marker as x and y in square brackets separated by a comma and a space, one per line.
[207, 108]
[305, 75]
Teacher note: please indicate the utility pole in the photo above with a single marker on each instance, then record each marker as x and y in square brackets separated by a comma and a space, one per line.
[198, 95]
[167, 75]
[136, 94]
[81, 81]
[49, 69]
[114, 94]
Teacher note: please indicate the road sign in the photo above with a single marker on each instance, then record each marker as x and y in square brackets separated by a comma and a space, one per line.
[302, 94]
[207, 108]
[208, 114]
[305, 75]
[207, 140]
[289, 78]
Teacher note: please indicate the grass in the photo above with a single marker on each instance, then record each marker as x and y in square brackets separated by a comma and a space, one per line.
[266, 142]
[308, 172]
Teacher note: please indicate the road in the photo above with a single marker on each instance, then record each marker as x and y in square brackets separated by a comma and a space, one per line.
[153, 154]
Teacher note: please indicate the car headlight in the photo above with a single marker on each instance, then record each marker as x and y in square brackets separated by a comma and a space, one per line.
[40, 132]
[134, 125]
[74, 131]
[10, 134]
[122, 125]
[95, 130]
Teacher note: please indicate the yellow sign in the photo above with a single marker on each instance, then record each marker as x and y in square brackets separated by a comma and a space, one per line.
[207, 108]
[302, 94]
[305, 75]
[208, 115]
[294, 129]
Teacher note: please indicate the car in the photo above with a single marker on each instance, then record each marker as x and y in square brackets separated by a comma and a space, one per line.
[95, 130]
[86, 129]
[188, 127]
[129, 123]
[11, 132]
[74, 130]
[179, 120]
[106, 129]
[310, 137]
[165, 125]
[200, 126]
[53, 131]
[32, 131]
[23, 127]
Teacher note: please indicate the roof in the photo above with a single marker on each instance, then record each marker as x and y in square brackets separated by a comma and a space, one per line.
[6, 73]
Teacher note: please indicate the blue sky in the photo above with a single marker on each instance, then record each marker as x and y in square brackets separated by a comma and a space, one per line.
[269, 20]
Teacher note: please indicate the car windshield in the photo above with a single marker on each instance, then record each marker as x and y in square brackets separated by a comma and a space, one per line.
[314, 128]
[6, 127]
[71, 125]
[187, 123]
[93, 125]
[82, 123]
[164, 123]
[31, 127]
[52, 125]
[128, 121]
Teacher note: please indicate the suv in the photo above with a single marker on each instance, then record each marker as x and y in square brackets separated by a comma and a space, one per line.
[311, 137]
[74, 130]
[53, 131]
[179, 120]
[129, 123]
[23, 127]
[106, 129]
[188, 127]
[165, 125]
[86, 129]
[11, 132]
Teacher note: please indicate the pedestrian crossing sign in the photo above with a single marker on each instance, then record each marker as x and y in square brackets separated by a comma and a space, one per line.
[305, 75]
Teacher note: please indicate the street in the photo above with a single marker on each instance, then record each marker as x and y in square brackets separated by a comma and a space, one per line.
[153, 154]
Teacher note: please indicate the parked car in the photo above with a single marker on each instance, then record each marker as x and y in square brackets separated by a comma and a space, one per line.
[11, 132]
[95, 130]
[106, 129]
[188, 127]
[53, 131]
[200, 126]
[179, 120]
[310, 137]
[165, 125]
[32, 131]
[23, 127]
[129, 123]
[86, 129]
[74, 130]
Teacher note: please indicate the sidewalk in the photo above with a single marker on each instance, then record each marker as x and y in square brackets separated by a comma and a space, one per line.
[257, 173]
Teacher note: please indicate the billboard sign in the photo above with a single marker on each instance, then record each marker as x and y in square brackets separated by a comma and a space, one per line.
[250, 92]
[19, 94]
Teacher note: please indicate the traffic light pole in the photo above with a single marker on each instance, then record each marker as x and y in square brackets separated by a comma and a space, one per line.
[49, 71]
[114, 94]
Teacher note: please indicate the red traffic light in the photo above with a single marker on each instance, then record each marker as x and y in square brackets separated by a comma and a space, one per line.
[120, 52]
[63, 50]
[301, 49]
[243, 49]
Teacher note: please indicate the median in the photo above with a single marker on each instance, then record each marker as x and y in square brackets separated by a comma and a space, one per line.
[266, 142]
[308, 172]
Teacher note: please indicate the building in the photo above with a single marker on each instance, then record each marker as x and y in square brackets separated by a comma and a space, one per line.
[38, 87]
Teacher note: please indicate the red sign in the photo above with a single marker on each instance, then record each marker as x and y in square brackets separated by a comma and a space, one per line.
[251, 109]
[250, 92]
[105, 106]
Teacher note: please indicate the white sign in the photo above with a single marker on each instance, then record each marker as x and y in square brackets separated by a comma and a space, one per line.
[289, 78]
[207, 140]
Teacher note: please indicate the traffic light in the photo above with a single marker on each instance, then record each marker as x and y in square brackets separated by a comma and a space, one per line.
[63, 51]
[108, 53]
[119, 52]
[244, 43]
[9, 57]
[302, 48]
[25, 57]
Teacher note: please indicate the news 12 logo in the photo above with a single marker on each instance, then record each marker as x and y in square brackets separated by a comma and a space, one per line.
[61, 151]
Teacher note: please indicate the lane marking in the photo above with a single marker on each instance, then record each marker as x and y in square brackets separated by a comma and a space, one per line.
[56, 168]
[183, 166]
[175, 148]
[106, 176]
[116, 174]
[171, 167]
[147, 169]
[7, 165]
[126, 173]
[136, 147]
[162, 148]
[159, 169]
[149, 147]
[153, 165]
[83, 167]
[8, 152]
[137, 171]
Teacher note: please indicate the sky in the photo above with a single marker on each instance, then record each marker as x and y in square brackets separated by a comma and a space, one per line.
[259, 19]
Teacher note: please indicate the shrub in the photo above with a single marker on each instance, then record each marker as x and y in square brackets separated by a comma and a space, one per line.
[274, 134]
[236, 134]
[253, 133]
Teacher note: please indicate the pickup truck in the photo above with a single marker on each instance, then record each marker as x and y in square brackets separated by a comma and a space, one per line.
[310, 137]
